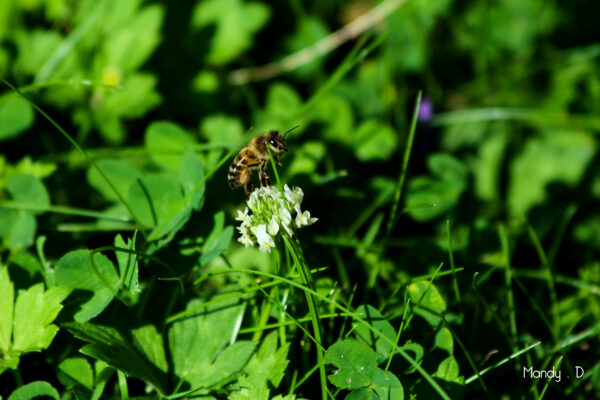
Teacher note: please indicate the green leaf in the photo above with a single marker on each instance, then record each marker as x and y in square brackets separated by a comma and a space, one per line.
[557, 156]
[166, 143]
[29, 191]
[77, 375]
[356, 362]
[75, 270]
[444, 340]
[429, 197]
[22, 230]
[222, 129]
[218, 240]
[35, 46]
[35, 310]
[234, 28]
[33, 390]
[150, 342]
[109, 345]
[281, 98]
[362, 394]
[132, 43]
[336, 113]
[16, 115]
[266, 366]
[7, 293]
[120, 173]
[191, 174]
[136, 96]
[448, 370]
[374, 141]
[427, 301]
[128, 265]
[155, 200]
[198, 344]
[387, 385]
[376, 342]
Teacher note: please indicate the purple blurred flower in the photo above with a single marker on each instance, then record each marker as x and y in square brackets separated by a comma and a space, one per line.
[425, 110]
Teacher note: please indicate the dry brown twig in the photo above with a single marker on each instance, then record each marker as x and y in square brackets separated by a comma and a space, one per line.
[320, 48]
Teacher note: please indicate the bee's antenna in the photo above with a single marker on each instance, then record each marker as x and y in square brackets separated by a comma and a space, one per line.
[285, 134]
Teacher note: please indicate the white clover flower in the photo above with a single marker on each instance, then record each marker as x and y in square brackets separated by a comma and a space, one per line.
[268, 213]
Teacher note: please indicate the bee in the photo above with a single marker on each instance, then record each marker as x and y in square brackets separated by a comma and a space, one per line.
[256, 156]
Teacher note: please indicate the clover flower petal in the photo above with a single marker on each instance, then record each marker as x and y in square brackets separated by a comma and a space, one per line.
[268, 213]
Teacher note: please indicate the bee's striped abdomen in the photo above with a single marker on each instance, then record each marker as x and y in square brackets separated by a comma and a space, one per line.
[239, 171]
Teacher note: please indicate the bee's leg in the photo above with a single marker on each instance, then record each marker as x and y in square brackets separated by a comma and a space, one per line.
[277, 160]
[248, 188]
[246, 180]
[265, 180]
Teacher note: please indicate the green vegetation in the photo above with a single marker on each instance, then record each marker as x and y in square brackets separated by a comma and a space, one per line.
[444, 173]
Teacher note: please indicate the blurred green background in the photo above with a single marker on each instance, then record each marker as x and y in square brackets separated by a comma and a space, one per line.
[505, 155]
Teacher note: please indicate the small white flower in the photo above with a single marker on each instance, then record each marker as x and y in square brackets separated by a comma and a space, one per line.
[242, 216]
[265, 241]
[273, 227]
[304, 219]
[268, 213]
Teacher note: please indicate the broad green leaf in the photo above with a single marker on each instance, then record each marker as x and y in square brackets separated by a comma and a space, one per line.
[336, 114]
[166, 143]
[35, 390]
[448, 370]
[362, 394]
[29, 191]
[306, 158]
[170, 226]
[356, 362]
[309, 30]
[7, 292]
[76, 271]
[22, 231]
[155, 200]
[486, 167]
[76, 374]
[150, 342]
[199, 344]
[128, 264]
[120, 173]
[136, 95]
[265, 369]
[35, 48]
[444, 340]
[109, 345]
[76, 370]
[431, 196]
[222, 129]
[234, 28]
[387, 385]
[374, 141]
[28, 263]
[191, 173]
[281, 98]
[130, 45]
[16, 116]
[218, 240]
[35, 310]
[376, 342]
[556, 157]
[427, 301]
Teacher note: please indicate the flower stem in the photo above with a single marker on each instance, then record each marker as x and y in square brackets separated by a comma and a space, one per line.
[307, 279]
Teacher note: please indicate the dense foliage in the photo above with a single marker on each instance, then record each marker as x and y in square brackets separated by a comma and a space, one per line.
[446, 166]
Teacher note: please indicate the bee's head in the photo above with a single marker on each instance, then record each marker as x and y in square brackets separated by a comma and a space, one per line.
[276, 142]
